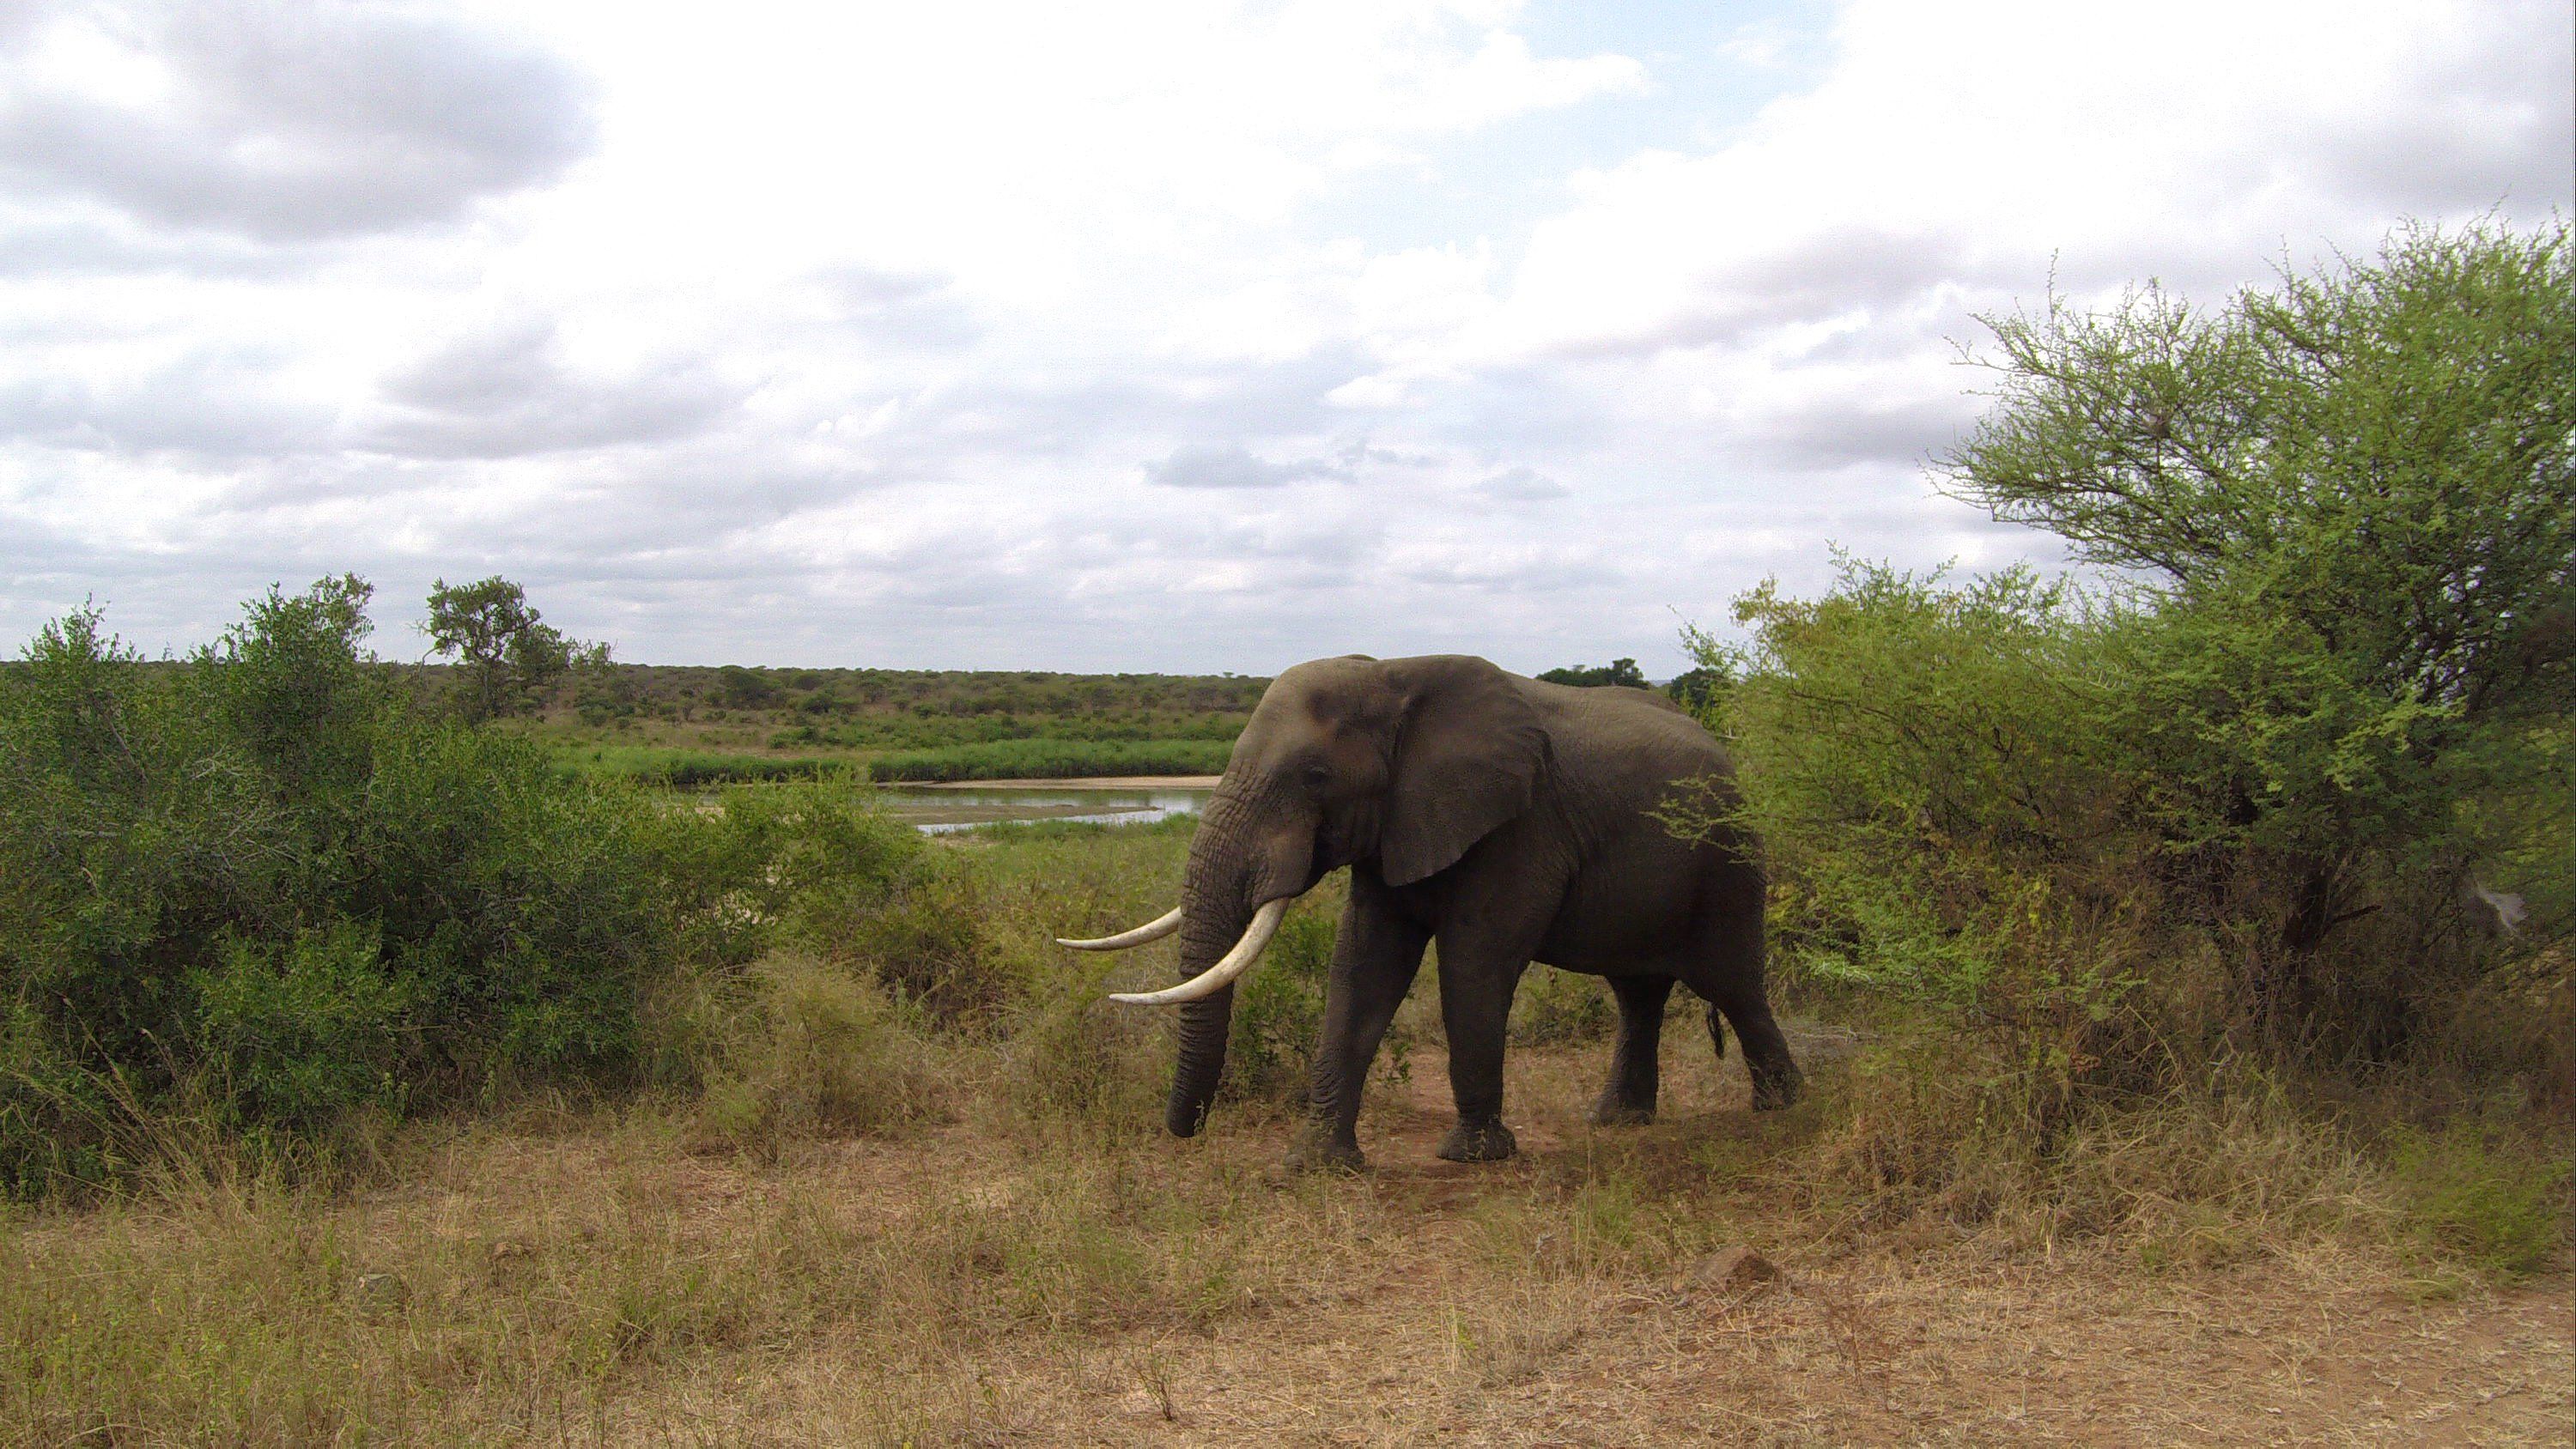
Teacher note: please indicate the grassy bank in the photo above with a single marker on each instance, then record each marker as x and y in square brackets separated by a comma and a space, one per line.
[998, 760]
[1051, 759]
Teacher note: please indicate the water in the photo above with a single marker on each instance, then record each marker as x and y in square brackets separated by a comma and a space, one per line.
[935, 810]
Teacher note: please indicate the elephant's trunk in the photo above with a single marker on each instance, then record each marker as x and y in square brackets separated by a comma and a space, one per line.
[1205, 1024]
[1237, 863]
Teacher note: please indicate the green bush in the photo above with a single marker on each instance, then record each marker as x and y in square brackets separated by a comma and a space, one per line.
[932, 947]
[1594, 676]
[1073, 1061]
[1279, 1012]
[2491, 1194]
[267, 889]
[2346, 509]
[1560, 1006]
[2331, 686]
[1945, 822]
[261, 878]
[296, 1033]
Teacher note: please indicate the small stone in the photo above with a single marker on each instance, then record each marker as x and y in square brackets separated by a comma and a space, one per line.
[377, 1293]
[508, 1248]
[1734, 1269]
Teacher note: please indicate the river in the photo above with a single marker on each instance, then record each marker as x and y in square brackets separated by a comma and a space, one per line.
[936, 809]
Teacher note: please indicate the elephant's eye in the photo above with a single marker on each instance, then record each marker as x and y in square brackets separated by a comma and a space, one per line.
[1318, 775]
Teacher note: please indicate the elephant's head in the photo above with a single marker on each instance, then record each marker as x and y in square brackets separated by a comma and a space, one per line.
[1401, 763]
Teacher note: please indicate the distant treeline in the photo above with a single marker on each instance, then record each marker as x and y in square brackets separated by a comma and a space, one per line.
[914, 708]
[917, 724]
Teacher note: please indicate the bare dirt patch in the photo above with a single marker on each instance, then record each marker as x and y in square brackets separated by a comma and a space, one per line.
[1555, 1299]
[1005, 1277]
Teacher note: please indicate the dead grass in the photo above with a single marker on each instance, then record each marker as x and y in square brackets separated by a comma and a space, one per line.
[997, 1279]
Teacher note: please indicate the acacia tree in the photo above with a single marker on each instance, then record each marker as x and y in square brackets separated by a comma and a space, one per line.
[508, 653]
[2323, 678]
[2344, 513]
[2383, 451]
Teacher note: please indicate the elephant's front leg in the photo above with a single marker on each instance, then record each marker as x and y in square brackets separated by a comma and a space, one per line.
[1478, 974]
[1374, 961]
[1629, 1099]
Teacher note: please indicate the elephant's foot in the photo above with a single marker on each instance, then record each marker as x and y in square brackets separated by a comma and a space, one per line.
[1321, 1149]
[1774, 1090]
[1478, 1142]
[1616, 1109]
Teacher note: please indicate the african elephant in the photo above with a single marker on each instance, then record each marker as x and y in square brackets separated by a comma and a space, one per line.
[1506, 818]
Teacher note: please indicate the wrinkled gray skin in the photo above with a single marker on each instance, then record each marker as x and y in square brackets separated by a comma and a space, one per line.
[1507, 819]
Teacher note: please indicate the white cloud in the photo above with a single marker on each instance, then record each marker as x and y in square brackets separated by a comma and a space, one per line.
[1154, 336]
[1226, 466]
[1521, 485]
[281, 121]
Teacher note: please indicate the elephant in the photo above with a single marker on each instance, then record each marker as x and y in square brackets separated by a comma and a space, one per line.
[1506, 818]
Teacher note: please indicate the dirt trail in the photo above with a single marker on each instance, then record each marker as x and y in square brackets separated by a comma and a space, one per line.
[1927, 1342]
[1421, 1332]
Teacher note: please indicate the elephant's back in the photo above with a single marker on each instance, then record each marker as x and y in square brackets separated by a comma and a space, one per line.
[1635, 738]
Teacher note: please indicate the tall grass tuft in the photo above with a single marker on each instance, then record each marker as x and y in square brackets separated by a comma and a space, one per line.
[818, 1049]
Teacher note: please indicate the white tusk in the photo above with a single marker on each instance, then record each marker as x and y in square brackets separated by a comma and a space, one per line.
[1153, 930]
[1265, 924]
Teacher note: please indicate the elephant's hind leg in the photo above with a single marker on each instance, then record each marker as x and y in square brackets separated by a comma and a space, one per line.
[1629, 1099]
[1730, 979]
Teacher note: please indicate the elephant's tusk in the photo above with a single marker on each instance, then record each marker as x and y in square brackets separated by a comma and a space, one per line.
[1265, 924]
[1153, 930]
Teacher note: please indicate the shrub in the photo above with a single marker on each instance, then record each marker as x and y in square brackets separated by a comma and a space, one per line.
[1944, 824]
[818, 868]
[262, 875]
[2482, 1189]
[2347, 509]
[2127, 858]
[931, 947]
[265, 887]
[1279, 1012]
[817, 1048]
[1560, 1006]
[298, 1033]
[2328, 690]
[1594, 676]
[693, 769]
[743, 688]
[1074, 1061]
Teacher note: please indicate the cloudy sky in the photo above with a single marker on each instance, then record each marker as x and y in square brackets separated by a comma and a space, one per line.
[1163, 336]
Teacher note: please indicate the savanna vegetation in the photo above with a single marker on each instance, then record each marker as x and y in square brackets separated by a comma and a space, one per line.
[367, 1076]
[2276, 820]
[683, 725]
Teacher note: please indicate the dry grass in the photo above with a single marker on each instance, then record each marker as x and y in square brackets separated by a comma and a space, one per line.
[1045, 1269]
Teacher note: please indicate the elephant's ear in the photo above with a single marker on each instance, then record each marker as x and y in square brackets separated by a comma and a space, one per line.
[1467, 754]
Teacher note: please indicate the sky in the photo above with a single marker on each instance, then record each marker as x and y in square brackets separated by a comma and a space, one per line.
[1156, 336]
